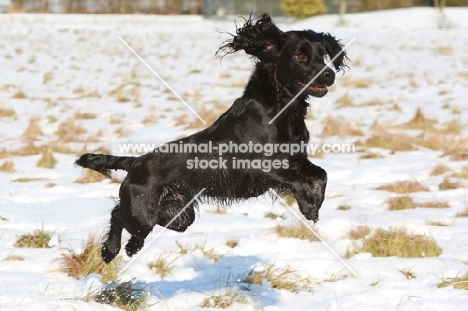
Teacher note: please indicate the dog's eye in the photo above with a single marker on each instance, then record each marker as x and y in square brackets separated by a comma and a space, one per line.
[301, 57]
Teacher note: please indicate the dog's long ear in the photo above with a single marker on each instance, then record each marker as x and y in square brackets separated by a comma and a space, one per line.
[334, 49]
[259, 38]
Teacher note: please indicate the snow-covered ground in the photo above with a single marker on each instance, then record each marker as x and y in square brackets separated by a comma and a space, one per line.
[53, 67]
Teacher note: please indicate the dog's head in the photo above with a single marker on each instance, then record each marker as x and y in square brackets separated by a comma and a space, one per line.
[299, 56]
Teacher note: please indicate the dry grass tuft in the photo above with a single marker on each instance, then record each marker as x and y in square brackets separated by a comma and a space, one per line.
[37, 239]
[344, 207]
[70, 131]
[408, 274]
[281, 279]
[225, 300]
[162, 266]
[14, 258]
[439, 169]
[391, 141]
[438, 223]
[8, 167]
[463, 173]
[434, 204]
[457, 283]
[446, 184]
[33, 131]
[462, 213]
[359, 233]
[89, 261]
[340, 128]
[400, 203]
[126, 296]
[47, 160]
[84, 115]
[296, 232]
[210, 253]
[404, 187]
[90, 176]
[420, 122]
[232, 243]
[398, 242]
[7, 113]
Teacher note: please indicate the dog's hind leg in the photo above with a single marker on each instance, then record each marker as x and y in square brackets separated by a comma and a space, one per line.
[111, 242]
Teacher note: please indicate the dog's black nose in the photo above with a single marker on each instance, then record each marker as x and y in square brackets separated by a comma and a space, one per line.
[328, 77]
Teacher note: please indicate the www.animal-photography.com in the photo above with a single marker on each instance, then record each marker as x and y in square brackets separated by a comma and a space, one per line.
[241, 155]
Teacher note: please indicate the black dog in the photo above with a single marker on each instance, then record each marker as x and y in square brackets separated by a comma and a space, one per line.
[159, 184]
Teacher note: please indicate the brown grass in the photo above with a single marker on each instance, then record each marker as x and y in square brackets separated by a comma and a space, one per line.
[398, 242]
[404, 187]
[7, 113]
[281, 279]
[340, 128]
[400, 203]
[439, 169]
[90, 176]
[162, 266]
[359, 233]
[344, 207]
[420, 122]
[462, 213]
[457, 283]
[8, 167]
[33, 131]
[446, 184]
[225, 300]
[391, 141]
[84, 115]
[89, 261]
[434, 204]
[47, 160]
[70, 131]
[37, 239]
[296, 232]
[463, 173]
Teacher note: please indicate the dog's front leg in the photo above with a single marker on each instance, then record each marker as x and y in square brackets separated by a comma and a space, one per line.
[309, 201]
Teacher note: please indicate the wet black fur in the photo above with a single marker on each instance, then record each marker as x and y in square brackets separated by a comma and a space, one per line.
[159, 185]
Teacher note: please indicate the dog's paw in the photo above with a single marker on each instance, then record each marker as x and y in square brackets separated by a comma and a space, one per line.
[107, 255]
[133, 246]
[310, 210]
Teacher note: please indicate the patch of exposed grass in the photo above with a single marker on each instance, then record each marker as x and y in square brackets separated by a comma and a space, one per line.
[70, 131]
[420, 122]
[439, 169]
[340, 128]
[281, 279]
[90, 176]
[356, 82]
[457, 282]
[37, 239]
[359, 233]
[210, 253]
[463, 173]
[400, 203]
[7, 113]
[296, 232]
[408, 274]
[225, 299]
[446, 184]
[273, 216]
[33, 131]
[27, 179]
[84, 115]
[47, 160]
[462, 213]
[404, 187]
[345, 101]
[3, 218]
[371, 155]
[344, 207]
[8, 167]
[89, 261]
[162, 266]
[437, 223]
[398, 242]
[232, 243]
[127, 296]
[14, 258]
[434, 204]
[20, 95]
[391, 141]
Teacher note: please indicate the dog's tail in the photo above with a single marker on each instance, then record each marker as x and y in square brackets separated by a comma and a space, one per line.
[104, 163]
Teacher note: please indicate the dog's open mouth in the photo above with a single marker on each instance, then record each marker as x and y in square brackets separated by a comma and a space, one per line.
[316, 90]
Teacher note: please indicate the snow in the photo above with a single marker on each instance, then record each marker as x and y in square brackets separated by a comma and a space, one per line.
[414, 58]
